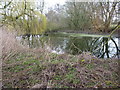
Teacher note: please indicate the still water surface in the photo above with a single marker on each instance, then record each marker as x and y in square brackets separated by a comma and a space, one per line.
[101, 47]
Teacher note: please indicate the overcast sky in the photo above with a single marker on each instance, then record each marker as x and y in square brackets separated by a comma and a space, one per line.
[50, 3]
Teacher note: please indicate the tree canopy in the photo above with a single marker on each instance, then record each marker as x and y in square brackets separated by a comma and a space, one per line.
[23, 16]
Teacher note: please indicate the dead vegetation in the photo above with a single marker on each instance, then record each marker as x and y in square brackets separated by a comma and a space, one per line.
[38, 68]
[59, 72]
[10, 47]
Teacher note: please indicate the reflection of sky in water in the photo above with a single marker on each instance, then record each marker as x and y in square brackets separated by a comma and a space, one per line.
[60, 49]
[58, 45]
[112, 48]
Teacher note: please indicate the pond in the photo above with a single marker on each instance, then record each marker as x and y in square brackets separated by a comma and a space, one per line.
[102, 47]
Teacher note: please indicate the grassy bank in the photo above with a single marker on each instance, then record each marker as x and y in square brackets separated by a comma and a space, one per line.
[48, 70]
[23, 67]
[73, 33]
[81, 35]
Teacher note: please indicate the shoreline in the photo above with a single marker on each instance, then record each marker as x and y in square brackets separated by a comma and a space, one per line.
[84, 33]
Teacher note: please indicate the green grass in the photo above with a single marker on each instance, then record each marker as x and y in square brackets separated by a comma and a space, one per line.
[81, 35]
[61, 72]
[90, 66]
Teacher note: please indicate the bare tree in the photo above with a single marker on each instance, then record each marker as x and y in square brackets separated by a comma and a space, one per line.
[103, 13]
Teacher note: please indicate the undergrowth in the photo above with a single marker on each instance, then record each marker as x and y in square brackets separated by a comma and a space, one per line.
[56, 72]
[38, 68]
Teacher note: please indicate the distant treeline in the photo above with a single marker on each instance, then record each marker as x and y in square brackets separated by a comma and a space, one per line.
[30, 18]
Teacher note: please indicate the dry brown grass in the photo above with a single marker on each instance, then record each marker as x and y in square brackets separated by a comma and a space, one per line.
[10, 46]
[60, 71]
[24, 68]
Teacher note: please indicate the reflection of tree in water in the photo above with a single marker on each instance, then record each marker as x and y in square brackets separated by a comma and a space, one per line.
[78, 45]
[99, 47]
[117, 47]
[107, 50]
[57, 43]
[33, 41]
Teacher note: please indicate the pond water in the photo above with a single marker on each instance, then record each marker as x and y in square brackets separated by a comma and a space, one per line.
[102, 47]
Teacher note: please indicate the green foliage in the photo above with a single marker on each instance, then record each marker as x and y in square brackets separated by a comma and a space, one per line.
[57, 61]
[58, 77]
[90, 66]
[38, 24]
[71, 76]
[52, 26]
[24, 17]
[83, 60]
